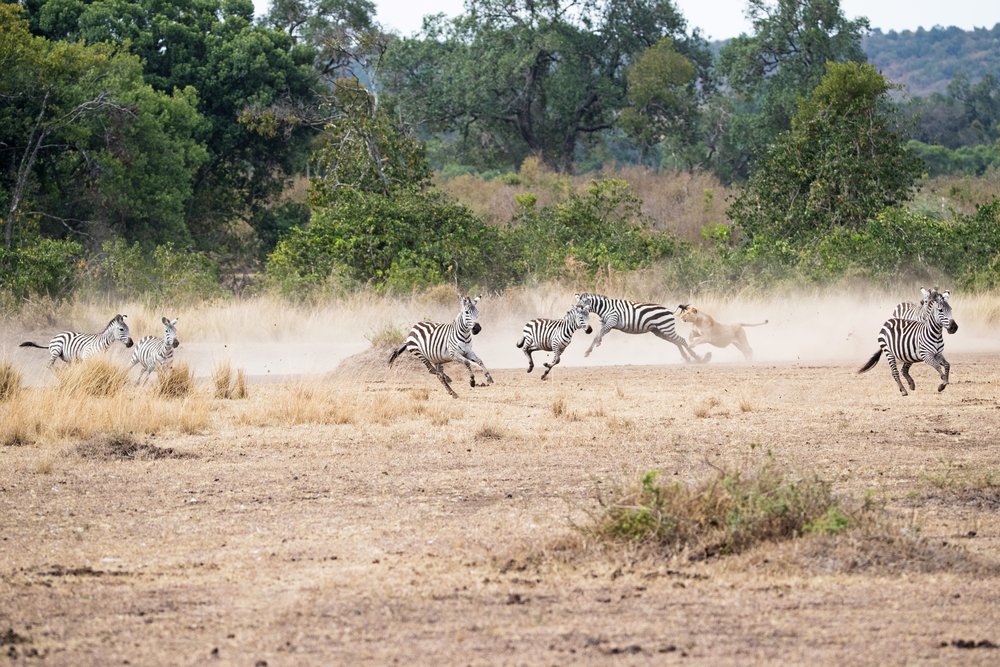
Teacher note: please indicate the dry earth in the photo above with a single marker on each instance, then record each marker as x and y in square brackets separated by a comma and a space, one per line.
[364, 517]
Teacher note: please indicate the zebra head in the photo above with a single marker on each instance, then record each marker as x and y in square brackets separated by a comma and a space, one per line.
[119, 330]
[586, 300]
[578, 317]
[939, 308]
[467, 317]
[170, 333]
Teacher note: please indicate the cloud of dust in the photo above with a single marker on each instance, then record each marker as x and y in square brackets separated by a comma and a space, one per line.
[271, 339]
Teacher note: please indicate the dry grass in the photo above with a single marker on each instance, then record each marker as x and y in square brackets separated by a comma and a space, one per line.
[704, 408]
[10, 381]
[176, 382]
[96, 376]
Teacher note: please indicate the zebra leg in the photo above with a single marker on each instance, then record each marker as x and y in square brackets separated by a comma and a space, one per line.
[891, 358]
[606, 326]
[906, 374]
[531, 362]
[682, 345]
[938, 362]
[439, 372]
[471, 356]
[555, 360]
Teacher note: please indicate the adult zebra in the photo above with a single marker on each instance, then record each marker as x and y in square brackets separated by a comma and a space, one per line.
[552, 335]
[910, 341]
[72, 345]
[436, 344]
[156, 354]
[908, 310]
[636, 318]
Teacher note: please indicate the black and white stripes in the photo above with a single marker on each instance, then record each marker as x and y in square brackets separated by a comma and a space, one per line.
[72, 345]
[154, 353]
[436, 344]
[552, 335]
[635, 318]
[912, 341]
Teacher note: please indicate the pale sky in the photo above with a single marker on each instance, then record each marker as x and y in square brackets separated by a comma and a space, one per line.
[722, 19]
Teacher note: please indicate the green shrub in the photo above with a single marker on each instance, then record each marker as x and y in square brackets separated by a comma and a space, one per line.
[45, 267]
[727, 514]
[167, 274]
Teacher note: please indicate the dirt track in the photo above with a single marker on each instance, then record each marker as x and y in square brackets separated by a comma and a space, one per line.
[432, 534]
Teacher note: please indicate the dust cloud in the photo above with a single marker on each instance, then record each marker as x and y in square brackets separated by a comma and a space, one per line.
[271, 340]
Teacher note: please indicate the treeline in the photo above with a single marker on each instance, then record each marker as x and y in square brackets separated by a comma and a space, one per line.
[151, 148]
[926, 60]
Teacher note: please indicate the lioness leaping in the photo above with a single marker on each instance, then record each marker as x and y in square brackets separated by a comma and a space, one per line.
[707, 330]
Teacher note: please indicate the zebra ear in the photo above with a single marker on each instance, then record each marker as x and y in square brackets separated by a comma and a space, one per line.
[165, 321]
[924, 293]
[476, 300]
[946, 295]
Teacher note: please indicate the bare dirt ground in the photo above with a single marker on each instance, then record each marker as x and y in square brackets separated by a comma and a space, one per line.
[364, 517]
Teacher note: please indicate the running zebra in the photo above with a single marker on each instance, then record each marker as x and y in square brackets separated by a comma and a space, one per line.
[636, 318]
[912, 341]
[436, 344]
[915, 311]
[553, 335]
[72, 346]
[156, 354]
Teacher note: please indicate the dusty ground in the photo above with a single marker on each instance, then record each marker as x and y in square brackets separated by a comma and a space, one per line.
[432, 534]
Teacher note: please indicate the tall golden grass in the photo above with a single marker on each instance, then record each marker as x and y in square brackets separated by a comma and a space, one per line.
[10, 381]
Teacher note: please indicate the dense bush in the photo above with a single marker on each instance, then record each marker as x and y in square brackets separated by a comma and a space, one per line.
[166, 274]
[46, 267]
[413, 238]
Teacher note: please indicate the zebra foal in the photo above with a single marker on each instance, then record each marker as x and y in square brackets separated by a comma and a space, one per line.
[156, 354]
[636, 318]
[436, 344]
[552, 335]
[912, 341]
[72, 346]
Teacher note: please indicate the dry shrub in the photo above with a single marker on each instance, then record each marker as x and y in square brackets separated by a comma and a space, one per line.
[10, 381]
[176, 382]
[123, 446]
[93, 377]
[559, 406]
[388, 335]
[222, 377]
[239, 390]
[746, 405]
[225, 386]
[704, 409]
[490, 432]
[726, 514]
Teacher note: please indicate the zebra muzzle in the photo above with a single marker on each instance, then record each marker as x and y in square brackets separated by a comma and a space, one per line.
[176, 343]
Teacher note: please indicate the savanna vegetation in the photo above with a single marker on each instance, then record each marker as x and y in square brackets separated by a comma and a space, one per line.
[185, 151]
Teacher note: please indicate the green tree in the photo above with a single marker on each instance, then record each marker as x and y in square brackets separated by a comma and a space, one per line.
[661, 90]
[214, 47]
[512, 78]
[783, 60]
[88, 147]
[841, 163]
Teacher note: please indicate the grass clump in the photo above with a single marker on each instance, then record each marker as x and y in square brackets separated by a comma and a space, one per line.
[10, 381]
[93, 377]
[726, 514]
[386, 336]
[224, 384]
[175, 382]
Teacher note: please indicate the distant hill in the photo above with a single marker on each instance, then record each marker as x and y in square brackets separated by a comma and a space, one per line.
[924, 61]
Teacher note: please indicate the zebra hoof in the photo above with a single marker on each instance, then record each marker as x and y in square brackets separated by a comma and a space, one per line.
[903, 392]
[941, 387]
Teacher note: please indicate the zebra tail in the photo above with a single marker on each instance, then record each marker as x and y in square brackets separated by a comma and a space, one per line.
[28, 343]
[871, 362]
[520, 343]
[396, 353]
[753, 324]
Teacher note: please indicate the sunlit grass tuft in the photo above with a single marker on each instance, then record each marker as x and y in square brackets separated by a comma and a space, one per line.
[175, 382]
[96, 376]
[10, 381]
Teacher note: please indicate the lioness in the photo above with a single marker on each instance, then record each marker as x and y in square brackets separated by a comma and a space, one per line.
[707, 330]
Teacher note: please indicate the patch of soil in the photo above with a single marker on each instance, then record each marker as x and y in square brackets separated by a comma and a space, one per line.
[125, 448]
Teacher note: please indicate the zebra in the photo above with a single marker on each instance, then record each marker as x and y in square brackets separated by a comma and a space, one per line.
[911, 341]
[436, 344]
[553, 335]
[73, 346]
[156, 354]
[908, 310]
[636, 318]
